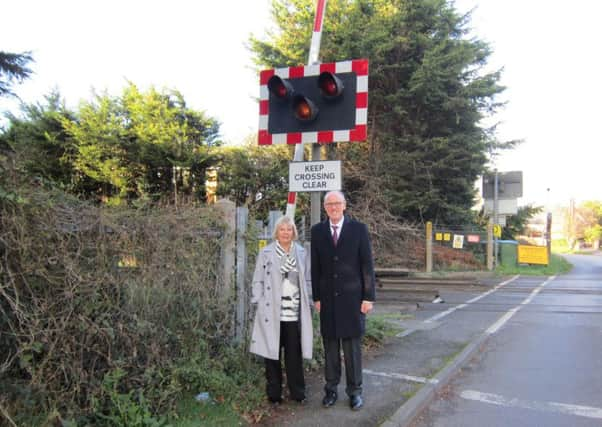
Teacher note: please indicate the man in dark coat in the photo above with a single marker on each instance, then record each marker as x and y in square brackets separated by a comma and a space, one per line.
[343, 284]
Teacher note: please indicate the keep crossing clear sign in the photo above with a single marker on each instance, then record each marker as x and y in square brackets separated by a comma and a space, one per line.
[314, 176]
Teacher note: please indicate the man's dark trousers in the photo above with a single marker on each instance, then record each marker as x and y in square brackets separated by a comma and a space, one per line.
[352, 351]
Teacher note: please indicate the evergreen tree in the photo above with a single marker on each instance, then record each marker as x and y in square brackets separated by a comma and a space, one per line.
[142, 145]
[255, 177]
[42, 147]
[13, 69]
[516, 224]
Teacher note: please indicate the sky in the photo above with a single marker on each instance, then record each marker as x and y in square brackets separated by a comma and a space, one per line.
[548, 49]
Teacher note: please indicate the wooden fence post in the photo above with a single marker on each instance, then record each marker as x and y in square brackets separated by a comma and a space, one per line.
[429, 246]
[490, 246]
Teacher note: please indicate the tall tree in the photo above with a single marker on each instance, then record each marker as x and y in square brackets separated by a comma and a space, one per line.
[140, 144]
[585, 222]
[516, 224]
[428, 93]
[255, 176]
[42, 147]
[13, 69]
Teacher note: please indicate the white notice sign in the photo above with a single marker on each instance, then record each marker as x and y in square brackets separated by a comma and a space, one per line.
[458, 241]
[314, 176]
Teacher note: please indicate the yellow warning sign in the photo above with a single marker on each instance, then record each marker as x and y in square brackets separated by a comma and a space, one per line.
[532, 255]
[497, 230]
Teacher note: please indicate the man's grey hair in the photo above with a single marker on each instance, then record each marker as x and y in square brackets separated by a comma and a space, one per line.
[284, 220]
[338, 193]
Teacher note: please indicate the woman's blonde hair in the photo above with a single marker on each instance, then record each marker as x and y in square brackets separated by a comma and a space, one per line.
[284, 220]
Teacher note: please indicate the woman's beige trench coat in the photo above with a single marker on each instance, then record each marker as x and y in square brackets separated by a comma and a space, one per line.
[266, 296]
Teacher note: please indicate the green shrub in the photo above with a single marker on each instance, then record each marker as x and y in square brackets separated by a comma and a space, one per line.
[112, 314]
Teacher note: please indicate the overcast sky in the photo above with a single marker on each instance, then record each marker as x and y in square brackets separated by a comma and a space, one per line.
[549, 51]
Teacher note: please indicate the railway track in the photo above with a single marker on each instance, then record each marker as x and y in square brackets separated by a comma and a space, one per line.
[397, 285]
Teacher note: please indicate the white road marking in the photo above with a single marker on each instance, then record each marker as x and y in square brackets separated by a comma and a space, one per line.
[470, 301]
[458, 307]
[561, 408]
[508, 315]
[422, 380]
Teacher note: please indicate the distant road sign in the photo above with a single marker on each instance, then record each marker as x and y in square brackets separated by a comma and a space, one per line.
[458, 242]
[510, 185]
[504, 206]
[497, 230]
[314, 176]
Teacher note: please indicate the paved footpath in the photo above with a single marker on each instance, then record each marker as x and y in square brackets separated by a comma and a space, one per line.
[402, 377]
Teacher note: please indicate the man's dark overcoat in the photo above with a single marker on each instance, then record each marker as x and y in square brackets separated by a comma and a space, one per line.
[342, 277]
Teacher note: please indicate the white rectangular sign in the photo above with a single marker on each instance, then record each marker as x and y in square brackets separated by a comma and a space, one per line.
[314, 176]
[504, 206]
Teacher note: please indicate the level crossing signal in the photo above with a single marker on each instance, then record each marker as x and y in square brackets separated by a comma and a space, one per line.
[322, 103]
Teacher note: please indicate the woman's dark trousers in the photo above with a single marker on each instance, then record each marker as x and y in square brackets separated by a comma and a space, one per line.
[290, 341]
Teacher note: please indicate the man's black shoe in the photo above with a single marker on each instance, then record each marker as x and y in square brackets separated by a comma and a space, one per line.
[355, 402]
[329, 400]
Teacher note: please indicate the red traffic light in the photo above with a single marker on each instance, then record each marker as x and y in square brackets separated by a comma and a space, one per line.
[281, 88]
[304, 109]
[330, 85]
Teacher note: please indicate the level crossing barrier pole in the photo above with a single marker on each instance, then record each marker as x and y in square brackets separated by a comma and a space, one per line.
[314, 51]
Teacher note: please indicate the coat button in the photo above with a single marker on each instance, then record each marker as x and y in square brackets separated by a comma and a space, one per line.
[268, 288]
[267, 303]
[336, 294]
[335, 275]
[266, 319]
[336, 258]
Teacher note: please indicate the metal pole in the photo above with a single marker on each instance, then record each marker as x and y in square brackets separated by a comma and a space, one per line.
[242, 218]
[314, 50]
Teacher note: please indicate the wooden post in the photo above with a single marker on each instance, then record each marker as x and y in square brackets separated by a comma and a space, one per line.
[549, 235]
[490, 246]
[429, 246]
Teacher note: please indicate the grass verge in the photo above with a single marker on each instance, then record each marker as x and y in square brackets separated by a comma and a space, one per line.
[557, 265]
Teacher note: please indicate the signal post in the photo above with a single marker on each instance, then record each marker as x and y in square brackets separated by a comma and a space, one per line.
[315, 104]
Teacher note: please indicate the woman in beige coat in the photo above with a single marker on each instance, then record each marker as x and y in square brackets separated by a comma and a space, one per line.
[281, 293]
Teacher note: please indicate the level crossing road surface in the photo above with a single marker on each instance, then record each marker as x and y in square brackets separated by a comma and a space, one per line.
[541, 363]
[524, 352]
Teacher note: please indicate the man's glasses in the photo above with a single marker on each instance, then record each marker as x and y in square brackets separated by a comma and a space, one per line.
[330, 204]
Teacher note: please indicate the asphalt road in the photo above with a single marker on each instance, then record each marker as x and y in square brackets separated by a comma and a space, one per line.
[542, 362]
